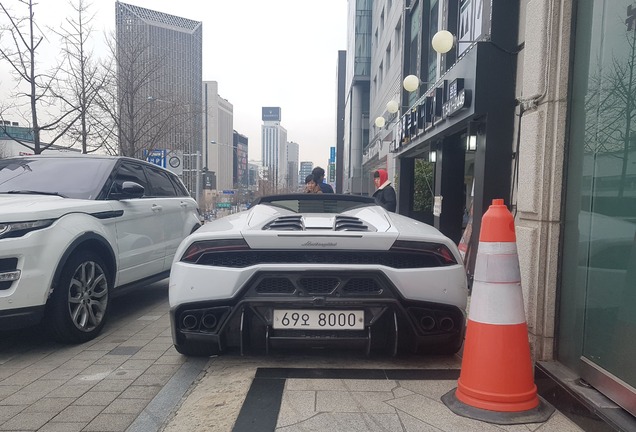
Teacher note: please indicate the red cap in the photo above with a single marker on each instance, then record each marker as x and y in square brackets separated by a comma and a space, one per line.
[497, 224]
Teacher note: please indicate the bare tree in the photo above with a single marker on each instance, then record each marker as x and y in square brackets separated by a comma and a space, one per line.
[610, 107]
[80, 80]
[141, 113]
[38, 97]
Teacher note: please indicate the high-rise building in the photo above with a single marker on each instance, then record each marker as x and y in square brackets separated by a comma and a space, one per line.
[305, 169]
[218, 136]
[293, 155]
[159, 79]
[273, 148]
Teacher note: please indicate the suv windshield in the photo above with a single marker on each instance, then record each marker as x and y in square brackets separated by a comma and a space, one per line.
[75, 177]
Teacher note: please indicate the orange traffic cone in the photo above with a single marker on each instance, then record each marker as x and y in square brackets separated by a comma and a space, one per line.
[496, 381]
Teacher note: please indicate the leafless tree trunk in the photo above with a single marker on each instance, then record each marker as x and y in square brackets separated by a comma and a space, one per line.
[141, 114]
[38, 96]
[80, 80]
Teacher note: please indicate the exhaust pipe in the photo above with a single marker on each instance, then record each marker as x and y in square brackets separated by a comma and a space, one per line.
[427, 322]
[209, 321]
[189, 322]
[446, 324]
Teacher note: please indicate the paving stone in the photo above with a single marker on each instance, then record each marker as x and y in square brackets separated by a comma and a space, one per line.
[112, 360]
[73, 390]
[9, 411]
[336, 401]
[78, 414]
[62, 427]
[296, 406]
[27, 421]
[110, 423]
[163, 369]
[140, 392]
[133, 364]
[62, 373]
[125, 374]
[126, 406]
[8, 390]
[170, 358]
[315, 384]
[97, 398]
[118, 385]
[150, 379]
[374, 402]
[370, 385]
[49, 405]
[148, 355]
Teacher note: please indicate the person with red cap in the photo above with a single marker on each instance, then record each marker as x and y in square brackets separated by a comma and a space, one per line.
[384, 194]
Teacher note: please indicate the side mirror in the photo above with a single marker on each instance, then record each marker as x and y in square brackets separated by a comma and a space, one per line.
[131, 189]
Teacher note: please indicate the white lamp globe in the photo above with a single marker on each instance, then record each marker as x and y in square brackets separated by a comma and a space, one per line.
[443, 41]
[379, 122]
[392, 106]
[411, 83]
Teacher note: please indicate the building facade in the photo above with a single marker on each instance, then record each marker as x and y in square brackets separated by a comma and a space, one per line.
[273, 148]
[537, 111]
[305, 169]
[356, 96]
[159, 59]
[293, 156]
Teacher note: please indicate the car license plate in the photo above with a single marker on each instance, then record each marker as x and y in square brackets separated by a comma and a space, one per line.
[306, 319]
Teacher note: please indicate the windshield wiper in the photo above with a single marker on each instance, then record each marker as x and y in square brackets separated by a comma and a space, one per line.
[33, 192]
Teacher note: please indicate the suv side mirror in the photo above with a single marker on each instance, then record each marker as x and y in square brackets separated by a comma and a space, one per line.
[130, 189]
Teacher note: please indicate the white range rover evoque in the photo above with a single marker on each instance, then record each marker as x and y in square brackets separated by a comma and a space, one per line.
[75, 230]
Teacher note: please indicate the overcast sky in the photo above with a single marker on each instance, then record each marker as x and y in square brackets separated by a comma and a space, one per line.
[261, 52]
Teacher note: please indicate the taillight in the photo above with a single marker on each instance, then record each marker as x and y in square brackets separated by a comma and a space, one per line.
[197, 249]
[442, 252]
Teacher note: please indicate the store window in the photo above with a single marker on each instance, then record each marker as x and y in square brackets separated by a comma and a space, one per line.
[597, 311]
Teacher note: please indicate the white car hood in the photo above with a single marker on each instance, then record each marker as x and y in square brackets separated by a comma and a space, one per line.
[16, 208]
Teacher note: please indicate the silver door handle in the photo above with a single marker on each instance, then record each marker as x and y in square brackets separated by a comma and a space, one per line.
[156, 208]
[184, 205]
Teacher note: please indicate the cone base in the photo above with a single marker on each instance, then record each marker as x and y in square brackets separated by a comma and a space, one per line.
[540, 414]
[528, 402]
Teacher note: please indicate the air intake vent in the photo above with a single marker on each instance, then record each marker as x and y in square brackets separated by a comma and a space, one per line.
[286, 223]
[349, 223]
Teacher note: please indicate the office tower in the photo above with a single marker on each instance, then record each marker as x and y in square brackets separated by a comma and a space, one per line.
[273, 148]
[159, 86]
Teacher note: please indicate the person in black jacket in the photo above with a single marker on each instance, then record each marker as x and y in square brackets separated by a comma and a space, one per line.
[384, 194]
[319, 177]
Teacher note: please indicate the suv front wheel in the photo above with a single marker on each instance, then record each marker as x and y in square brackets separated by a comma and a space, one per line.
[79, 305]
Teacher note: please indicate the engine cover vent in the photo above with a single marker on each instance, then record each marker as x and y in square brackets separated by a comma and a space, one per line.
[286, 223]
[349, 223]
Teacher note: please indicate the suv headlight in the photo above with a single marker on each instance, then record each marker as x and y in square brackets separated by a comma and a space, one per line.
[18, 229]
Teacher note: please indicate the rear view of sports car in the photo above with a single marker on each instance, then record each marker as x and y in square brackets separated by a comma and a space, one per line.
[317, 270]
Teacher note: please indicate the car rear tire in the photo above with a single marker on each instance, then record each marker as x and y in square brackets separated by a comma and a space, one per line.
[191, 349]
[79, 305]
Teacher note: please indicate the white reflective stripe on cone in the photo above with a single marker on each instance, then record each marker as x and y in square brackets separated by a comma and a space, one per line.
[497, 262]
[498, 303]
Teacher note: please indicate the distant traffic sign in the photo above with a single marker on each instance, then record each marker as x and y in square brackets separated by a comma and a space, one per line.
[228, 192]
[223, 205]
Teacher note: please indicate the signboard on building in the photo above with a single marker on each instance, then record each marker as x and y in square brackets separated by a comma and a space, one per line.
[271, 114]
[157, 157]
[209, 180]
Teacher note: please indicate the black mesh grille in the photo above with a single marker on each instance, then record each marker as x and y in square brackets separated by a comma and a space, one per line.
[8, 264]
[319, 285]
[275, 286]
[362, 286]
[239, 259]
